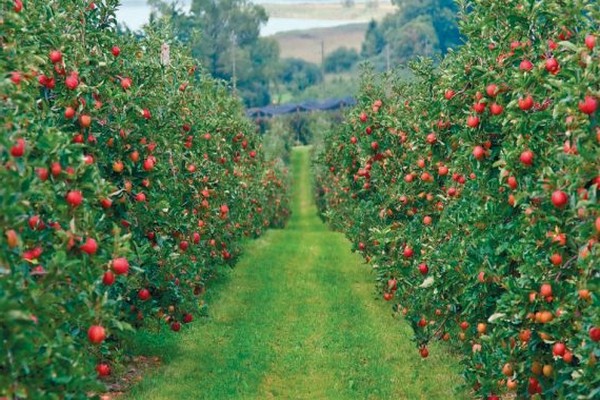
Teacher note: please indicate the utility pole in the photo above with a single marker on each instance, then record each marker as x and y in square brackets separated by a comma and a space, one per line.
[387, 56]
[323, 57]
[233, 72]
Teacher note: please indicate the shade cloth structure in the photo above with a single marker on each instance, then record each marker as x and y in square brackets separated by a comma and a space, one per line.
[309, 105]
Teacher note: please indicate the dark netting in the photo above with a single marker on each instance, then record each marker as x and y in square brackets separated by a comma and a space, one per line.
[309, 105]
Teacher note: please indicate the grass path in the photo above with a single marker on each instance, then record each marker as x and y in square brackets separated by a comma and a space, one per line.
[297, 319]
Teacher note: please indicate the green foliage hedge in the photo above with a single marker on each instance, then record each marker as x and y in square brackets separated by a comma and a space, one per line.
[129, 179]
[473, 193]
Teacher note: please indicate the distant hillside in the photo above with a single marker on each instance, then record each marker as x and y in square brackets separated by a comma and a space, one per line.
[306, 44]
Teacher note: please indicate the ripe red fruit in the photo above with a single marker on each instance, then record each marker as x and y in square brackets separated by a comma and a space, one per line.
[526, 66]
[126, 83]
[69, 112]
[144, 294]
[491, 90]
[96, 334]
[140, 197]
[512, 182]
[374, 145]
[72, 82]
[183, 245]
[103, 369]
[149, 164]
[408, 252]
[388, 296]
[252, 154]
[473, 121]
[526, 157]
[556, 259]
[146, 114]
[526, 103]
[552, 65]
[115, 51]
[478, 152]
[493, 397]
[175, 326]
[12, 239]
[424, 352]
[55, 56]
[431, 138]
[74, 198]
[423, 268]
[443, 170]
[106, 203]
[120, 266]
[90, 246]
[392, 284]
[18, 149]
[353, 140]
[449, 94]
[479, 107]
[595, 333]
[108, 278]
[187, 318]
[42, 173]
[590, 41]
[363, 117]
[18, 6]
[589, 105]
[224, 209]
[85, 121]
[559, 349]
[464, 325]
[559, 199]
[15, 77]
[546, 290]
[496, 109]
[35, 223]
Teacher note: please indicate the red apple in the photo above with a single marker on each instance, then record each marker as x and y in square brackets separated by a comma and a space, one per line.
[90, 246]
[55, 56]
[96, 334]
[120, 266]
[559, 199]
[103, 369]
[589, 105]
[74, 198]
[144, 294]
[590, 41]
[108, 278]
[526, 66]
[527, 157]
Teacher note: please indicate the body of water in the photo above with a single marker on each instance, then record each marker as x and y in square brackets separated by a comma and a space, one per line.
[135, 13]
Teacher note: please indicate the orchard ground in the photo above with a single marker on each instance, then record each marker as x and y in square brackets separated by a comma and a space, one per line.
[297, 319]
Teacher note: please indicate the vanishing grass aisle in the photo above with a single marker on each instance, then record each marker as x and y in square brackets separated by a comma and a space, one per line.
[297, 319]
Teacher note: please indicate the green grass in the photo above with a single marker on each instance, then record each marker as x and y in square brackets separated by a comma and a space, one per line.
[296, 319]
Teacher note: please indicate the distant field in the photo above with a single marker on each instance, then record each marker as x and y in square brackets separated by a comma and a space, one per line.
[306, 44]
[359, 12]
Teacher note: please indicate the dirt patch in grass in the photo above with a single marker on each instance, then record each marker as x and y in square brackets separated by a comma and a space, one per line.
[133, 373]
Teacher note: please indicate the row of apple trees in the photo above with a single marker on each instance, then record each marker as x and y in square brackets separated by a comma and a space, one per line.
[472, 191]
[129, 178]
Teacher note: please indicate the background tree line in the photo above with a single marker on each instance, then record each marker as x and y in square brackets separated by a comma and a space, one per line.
[225, 36]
